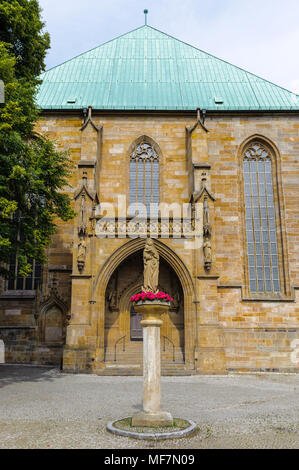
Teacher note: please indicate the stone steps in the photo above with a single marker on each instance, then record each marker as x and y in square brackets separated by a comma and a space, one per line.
[129, 361]
[133, 355]
[113, 369]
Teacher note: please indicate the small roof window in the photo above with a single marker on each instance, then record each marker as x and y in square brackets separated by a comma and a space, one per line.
[218, 100]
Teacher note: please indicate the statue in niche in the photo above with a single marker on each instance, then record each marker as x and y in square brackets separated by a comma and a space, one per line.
[112, 300]
[82, 229]
[177, 299]
[81, 257]
[151, 267]
[207, 253]
[206, 215]
[207, 229]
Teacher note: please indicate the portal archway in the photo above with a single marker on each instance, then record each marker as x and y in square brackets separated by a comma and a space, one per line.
[123, 331]
[172, 259]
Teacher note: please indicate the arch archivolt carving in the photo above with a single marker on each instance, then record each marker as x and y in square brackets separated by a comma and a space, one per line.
[129, 248]
[124, 302]
[135, 285]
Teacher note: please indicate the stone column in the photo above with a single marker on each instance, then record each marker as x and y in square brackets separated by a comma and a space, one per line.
[151, 416]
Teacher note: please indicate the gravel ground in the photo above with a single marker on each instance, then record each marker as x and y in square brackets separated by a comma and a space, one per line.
[43, 408]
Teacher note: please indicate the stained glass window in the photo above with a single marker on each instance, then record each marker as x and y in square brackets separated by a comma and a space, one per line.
[144, 179]
[260, 220]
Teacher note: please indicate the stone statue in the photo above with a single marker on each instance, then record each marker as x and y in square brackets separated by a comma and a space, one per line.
[81, 255]
[112, 300]
[206, 215]
[151, 267]
[207, 253]
[177, 299]
[207, 229]
[82, 229]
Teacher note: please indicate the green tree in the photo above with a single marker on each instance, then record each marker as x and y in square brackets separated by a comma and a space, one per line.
[21, 28]
[33, 172]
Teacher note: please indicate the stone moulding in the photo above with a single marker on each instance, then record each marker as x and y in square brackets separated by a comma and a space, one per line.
[172, 228]
[152, 302]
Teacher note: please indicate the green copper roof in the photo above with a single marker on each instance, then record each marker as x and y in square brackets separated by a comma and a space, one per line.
[146, 69]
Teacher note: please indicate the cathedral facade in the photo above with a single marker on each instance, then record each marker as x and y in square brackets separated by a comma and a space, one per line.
[171, 143]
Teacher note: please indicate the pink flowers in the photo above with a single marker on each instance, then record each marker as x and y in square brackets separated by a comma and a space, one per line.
[150, 296]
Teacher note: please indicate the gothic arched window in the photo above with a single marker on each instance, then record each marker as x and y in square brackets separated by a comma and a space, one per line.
[261, 228]
[144, 178]
[16, 281]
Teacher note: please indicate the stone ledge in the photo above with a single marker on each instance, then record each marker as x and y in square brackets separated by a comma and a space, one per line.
[208, 276]
[268, 299]
[17, 327]
[202, 166]
[18, 294]
[86, 164]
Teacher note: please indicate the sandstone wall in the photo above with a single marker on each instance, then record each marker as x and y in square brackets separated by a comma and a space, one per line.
[225, 328]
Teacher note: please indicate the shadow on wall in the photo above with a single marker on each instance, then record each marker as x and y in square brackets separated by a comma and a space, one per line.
[10, 374]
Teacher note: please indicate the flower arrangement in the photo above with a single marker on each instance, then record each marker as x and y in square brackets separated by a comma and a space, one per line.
[151, 296]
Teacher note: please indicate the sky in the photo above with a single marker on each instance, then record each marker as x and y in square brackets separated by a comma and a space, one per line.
[260, 36]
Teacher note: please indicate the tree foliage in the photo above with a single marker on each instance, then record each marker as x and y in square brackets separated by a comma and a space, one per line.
[33, 172]
[21, 28]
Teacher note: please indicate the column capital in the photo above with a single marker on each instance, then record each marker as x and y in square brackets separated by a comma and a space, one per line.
[151, 322]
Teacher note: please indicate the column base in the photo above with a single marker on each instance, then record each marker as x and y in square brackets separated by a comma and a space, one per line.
[149, 420]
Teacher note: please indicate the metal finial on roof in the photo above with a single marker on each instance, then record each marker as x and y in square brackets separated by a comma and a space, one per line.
[145, 13]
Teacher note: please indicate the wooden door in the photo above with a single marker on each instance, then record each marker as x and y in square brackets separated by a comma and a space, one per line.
[136, 328]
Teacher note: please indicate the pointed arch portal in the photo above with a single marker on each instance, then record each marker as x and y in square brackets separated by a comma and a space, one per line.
[114, 322]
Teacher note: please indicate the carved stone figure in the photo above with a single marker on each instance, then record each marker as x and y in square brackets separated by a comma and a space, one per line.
[206, 215]
[81, 255]
[151, 267]
[207, 252]
[207, 229]
[112, 300]
[82, 229]
[177, 300]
